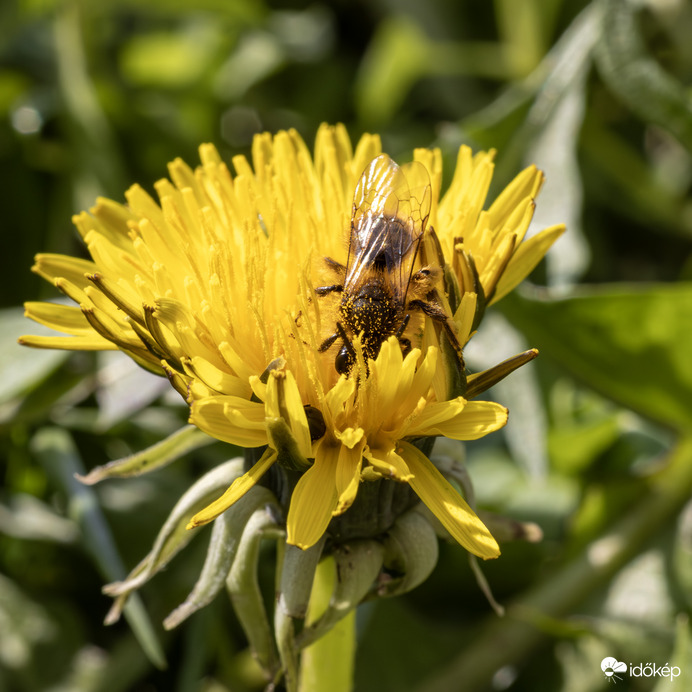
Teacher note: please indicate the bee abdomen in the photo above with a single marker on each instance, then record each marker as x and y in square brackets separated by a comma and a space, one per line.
[372, 314]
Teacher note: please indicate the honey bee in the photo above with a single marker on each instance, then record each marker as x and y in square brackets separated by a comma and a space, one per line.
[381, 290]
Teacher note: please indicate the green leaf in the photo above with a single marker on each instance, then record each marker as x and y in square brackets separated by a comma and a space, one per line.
[124, 389]
[397, 57]
[22, 368]
[680, 679]
[419, 644]
[520, 25]
[631, 343]
[174, 534]
[627, 68]
[520, 115]
[170, 60]
[641, 195]
[226, 537]
[153, 458]
[56, 452]
[574, 448]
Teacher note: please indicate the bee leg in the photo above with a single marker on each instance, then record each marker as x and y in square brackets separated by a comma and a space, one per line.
[346, 357]
[403, 341]
[347, 342]
[334, 288]
[334, 265]
[435, 312]
[327, 343]
[403, 326]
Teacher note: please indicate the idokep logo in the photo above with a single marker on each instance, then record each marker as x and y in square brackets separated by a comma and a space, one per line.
[614, 670]
[611, 667]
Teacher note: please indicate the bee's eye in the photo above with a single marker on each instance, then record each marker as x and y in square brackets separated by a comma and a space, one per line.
[342, 362]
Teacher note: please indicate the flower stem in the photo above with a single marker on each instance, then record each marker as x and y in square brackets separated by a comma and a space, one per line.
[328, 664]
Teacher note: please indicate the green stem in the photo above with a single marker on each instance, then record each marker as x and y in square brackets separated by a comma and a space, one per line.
[510, 640]
[328, 664]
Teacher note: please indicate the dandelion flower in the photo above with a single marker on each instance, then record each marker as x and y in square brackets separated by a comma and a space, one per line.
[213, 286]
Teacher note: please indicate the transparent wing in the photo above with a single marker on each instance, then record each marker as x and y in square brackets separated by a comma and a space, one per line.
[390, 209]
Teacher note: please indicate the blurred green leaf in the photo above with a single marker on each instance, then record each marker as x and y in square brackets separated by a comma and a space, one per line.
[22, 368]
[57, 453]
[633, 74]
[28, 518]
[519, 115]
[640, 195]
[681, 658]
[525, 432]
[124, 389]
[554, 150]
[171, 59]
[630, 343]
[401, 53]
[682, 555]
[521, 27]
[523, 631]
[242, 11]
[600, 506]
[25, 624]
[100, 165]
[13, 85]
[257, 55]
[421, 646]
[397, 57]
[574, 448]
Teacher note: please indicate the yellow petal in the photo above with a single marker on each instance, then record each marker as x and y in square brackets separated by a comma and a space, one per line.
[459, 419]
[51, 266]
[347, 476]
[236, 490]
[526, 184]
[465, 315]
[448, 506]
[218, 380]
[314, 499]
[93, 342]
[284, 401]
[388, 464]
[62, 318]
[525, 258]
[420, 382]
[231, 419]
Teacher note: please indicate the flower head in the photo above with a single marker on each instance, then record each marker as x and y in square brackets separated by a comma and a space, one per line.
[213, 286]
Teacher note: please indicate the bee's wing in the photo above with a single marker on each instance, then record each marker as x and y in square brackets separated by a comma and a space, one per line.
[390, 209]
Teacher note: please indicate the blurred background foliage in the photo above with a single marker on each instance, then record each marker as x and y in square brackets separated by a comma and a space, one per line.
[96, 96]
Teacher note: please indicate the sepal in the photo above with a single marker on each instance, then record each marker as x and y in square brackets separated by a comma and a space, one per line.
[410, 554]
[173, 536]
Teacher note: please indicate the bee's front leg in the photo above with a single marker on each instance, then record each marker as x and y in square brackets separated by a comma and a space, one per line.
[327, 343]
[340, 271]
